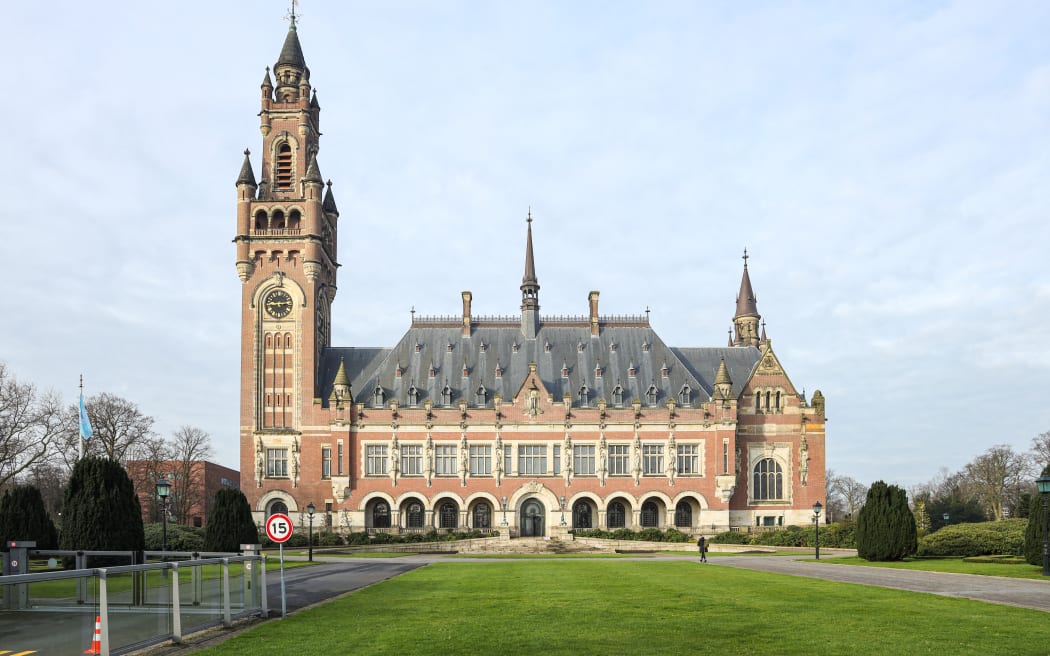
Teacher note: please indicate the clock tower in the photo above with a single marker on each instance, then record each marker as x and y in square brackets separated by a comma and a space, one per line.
[286, 261]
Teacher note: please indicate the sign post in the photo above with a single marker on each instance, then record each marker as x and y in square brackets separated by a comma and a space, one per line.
[279, 529]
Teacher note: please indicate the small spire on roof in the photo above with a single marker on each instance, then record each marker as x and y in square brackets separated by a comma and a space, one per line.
[329, 200]
[313, 173]
[247, 176]
[763, 330]
[730, 336]
[267, 83]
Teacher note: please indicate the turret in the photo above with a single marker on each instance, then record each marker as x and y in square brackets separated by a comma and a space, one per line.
[723, 383]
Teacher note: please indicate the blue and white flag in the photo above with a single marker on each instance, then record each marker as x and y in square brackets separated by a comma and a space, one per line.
[85, 423]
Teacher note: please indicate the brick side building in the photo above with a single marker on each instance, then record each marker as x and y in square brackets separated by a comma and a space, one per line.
[193, 488]
[532, 423]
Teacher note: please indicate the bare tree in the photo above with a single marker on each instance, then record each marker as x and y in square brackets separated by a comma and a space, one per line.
[190, 447]
[997, 476]
[850, 492]
[148, 462]
[30, 426]
[118, 426]
[1041, 450]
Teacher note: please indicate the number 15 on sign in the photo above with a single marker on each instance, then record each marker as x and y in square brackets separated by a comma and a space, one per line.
[279, 529]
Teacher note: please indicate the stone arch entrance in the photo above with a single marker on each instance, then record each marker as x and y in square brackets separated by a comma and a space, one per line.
[532, 519]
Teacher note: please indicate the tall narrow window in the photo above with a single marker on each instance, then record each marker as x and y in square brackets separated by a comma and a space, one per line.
[650, 395]
[557, 461]
[446, 395]
[339, 466]
[585, 396]
[445, 460]
[758, 402]
[284, 167]
[768, 480]
[375, 455]
[767, 401]
[378, 396]
[725, 456]
[777, 406]
[685, 396]
[412, 460]
[326, 462]
[618, 396]
[413, 396]
[481, 396]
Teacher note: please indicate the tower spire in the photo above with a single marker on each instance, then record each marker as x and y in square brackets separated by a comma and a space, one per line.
[747, 317]
[530, 289]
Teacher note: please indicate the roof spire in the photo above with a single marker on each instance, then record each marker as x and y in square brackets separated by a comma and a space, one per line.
[530, 289]
[247, 176]
[723, 383]
[746, 302]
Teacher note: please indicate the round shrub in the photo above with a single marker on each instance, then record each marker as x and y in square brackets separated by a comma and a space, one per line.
[1005, 537]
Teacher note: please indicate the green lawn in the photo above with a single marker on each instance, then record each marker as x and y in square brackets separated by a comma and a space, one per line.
[604, 607]
[957, 565]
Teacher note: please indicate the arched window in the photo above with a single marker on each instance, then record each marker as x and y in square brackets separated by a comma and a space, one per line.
[294, 220]
[617, 515]
[758, 402]
[683, 514]
[277, 507]
[448, 515]
[483, 516]
[767, 401]
[685, 396]
[381, 515]
[778, 402]
[581, 515]
[277, 220]
[618, 396]
[414, 515]
[284, 167]
[769, 480]
[260, 220]
[650, 515]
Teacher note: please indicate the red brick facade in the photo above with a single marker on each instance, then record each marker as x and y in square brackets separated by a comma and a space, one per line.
[532, 426]
[193, 488]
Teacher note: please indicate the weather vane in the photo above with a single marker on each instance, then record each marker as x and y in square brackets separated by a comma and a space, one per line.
[291, 13]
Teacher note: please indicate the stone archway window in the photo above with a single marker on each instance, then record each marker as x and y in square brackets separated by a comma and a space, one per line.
[448, 515]
[277, 507]
[650, 515]
[617, 515]
[581, 515]
[768, 480]
[683, 514]
[483, 516]
[414, 515]
[381, 515]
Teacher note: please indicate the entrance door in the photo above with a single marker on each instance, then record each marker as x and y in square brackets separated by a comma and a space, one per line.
[532, 513]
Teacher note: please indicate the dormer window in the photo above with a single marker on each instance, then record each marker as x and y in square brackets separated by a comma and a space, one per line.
[685, 395]
[446, 395]
[283, 179]
[612, 346]
[481, 396]
[650, 395]
[419, 347]
[378, 396]
[413, 395]
[397, 371]
[617, 396]
[431, 371]
[579, 346]
[466, 371]
[598, 371]
[631, 371]
[484, 347]
[564, 370]
[664, 370]
[546, 347]
[499, 371]
[645, 347]
[585, 396]
[449, 347]
[514, 347]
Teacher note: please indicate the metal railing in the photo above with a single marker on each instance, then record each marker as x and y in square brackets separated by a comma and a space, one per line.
[116, 610]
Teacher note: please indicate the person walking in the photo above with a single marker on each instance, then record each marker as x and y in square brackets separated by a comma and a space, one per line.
[701, 544]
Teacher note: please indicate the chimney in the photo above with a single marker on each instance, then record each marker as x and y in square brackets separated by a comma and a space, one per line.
[592, 298]
[467, 296]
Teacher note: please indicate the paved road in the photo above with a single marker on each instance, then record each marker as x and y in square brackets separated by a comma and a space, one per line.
[1026, 593]
[309, 585]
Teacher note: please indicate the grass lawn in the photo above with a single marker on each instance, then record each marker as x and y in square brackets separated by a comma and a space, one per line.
[957, 565]
[604, 607]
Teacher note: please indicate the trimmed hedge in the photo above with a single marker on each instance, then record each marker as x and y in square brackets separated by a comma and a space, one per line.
[1005, 537]
[841, 535]
[644, 535]
[180, 538]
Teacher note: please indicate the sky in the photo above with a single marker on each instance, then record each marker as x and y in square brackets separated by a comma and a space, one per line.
[886, 165]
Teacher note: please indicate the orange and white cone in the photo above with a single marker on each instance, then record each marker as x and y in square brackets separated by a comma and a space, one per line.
[96, 641]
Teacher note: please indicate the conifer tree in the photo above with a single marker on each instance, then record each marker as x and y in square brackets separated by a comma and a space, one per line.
[1033, 535]
[24, 517]
[230, 523]
[885, 525]
[100, 509]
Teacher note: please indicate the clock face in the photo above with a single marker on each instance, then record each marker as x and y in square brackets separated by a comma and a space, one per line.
[278, 304]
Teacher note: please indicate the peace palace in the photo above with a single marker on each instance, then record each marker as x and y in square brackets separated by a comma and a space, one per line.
[528, 425]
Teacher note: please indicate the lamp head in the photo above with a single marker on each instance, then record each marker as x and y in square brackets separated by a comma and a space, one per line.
[310, 509]
[817, 508]
[163, 488]
[1043, 483]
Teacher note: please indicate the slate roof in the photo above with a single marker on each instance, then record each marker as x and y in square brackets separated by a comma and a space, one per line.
[616, 350]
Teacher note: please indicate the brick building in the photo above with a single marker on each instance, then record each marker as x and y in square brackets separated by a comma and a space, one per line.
[193, 488]
[532, 423]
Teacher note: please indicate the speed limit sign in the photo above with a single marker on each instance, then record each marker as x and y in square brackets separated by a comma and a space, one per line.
[279, 527]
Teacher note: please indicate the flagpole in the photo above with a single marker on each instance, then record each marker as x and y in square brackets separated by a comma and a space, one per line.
[80, 441]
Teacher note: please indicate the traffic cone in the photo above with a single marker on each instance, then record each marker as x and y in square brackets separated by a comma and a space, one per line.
[96, 641]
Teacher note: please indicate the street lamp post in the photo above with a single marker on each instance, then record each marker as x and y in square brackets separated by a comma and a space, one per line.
[1043, 485]
[816, 525]
[504, 501]
[310, 509]
[562, 510]
[163, 490]
[945, 517]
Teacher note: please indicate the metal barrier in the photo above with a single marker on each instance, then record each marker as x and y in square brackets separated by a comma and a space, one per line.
[116, 610]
